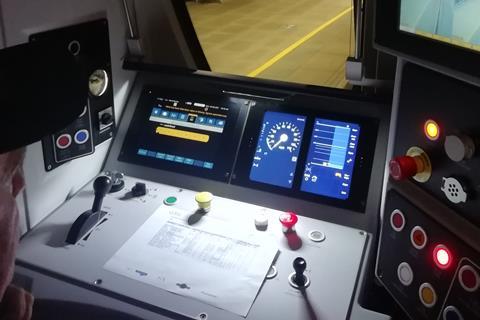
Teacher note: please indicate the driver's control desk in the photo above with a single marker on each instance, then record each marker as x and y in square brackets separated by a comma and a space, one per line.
[332, 255]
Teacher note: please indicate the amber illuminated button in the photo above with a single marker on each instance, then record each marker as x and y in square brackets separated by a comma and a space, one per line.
[452, 313]
[432, 130]
[405, 274]
[469, 279]
[397, 220]
[427, 295]
[418, 237]
[204, 200]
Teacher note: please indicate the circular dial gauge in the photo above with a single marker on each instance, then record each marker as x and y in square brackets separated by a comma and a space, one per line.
[98, 82]
[284, 136]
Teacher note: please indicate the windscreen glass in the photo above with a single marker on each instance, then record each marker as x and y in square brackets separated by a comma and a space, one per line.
[455, 22]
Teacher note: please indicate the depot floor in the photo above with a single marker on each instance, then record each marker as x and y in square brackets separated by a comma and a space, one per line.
[304, 41]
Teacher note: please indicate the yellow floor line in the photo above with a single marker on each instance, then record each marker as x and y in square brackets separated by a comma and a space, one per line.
[297, 44]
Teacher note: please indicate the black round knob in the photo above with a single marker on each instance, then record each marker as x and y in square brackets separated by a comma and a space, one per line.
[102, 185]
[106, 118]
[299, 264]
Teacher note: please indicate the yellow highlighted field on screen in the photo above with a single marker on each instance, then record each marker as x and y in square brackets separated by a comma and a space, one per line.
[183, 134]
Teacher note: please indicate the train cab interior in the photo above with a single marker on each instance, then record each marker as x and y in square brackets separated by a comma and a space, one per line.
[244, 159]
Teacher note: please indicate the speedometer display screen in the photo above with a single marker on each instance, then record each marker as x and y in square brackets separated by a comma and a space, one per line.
[278, 147]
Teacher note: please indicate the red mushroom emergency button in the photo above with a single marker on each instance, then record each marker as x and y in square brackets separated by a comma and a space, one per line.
[402, 168]
[415, 164]
[288, 221]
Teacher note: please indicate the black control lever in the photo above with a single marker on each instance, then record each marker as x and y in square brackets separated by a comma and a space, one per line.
[299, 264]
[101, 187]
[87, 220]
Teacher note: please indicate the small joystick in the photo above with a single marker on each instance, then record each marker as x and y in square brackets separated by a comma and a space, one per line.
[90, 218]
[101, 187]
[299, 264]
[298, 279]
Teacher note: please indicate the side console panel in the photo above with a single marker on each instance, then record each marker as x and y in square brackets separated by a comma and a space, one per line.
[453, 105]
[429, 246]
[413, 269]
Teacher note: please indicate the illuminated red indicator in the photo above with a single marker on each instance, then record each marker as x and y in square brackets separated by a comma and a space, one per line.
[442, 256]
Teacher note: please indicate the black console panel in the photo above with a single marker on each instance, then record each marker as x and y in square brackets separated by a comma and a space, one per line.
[429, 251]
[419, 262]
[453, 105]
[89, 44]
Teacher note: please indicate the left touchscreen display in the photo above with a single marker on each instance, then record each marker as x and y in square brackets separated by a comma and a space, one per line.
[278, 147]
[183, 131]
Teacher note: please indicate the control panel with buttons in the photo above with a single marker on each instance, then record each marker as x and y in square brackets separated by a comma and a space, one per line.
[89, 43]
[431, 217]
[444, 138]
[424, 265]
[299, 282]
[75, 140]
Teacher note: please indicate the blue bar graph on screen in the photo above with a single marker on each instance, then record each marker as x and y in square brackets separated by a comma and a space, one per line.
[331, 158]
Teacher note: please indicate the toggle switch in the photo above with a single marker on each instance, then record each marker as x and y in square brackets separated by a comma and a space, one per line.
[415, 164]
[139, 189]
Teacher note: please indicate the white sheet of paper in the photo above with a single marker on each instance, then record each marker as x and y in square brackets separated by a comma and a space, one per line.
[213, 261]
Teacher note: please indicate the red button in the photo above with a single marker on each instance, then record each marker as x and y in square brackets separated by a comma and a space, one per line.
[468, 278]
[397, 220]
[64, 141]
[288, 219]
[418, 237]
[442, 256]
[403, 167]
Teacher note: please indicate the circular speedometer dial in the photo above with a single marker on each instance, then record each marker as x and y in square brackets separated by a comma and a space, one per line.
[284, 136]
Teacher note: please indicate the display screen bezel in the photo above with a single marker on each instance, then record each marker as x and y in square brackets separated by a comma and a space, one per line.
[225, 156]
[388, 36]
[363, 159]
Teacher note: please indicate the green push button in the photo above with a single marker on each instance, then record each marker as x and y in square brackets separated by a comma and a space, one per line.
[170, 201]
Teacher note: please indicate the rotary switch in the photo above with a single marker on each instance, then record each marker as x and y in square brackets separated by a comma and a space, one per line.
[459, 147]
[415, 164]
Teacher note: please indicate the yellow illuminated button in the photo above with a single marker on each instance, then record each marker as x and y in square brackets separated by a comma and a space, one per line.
[204, 200]
[183, 134]
[432, 130]
[427, 295]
